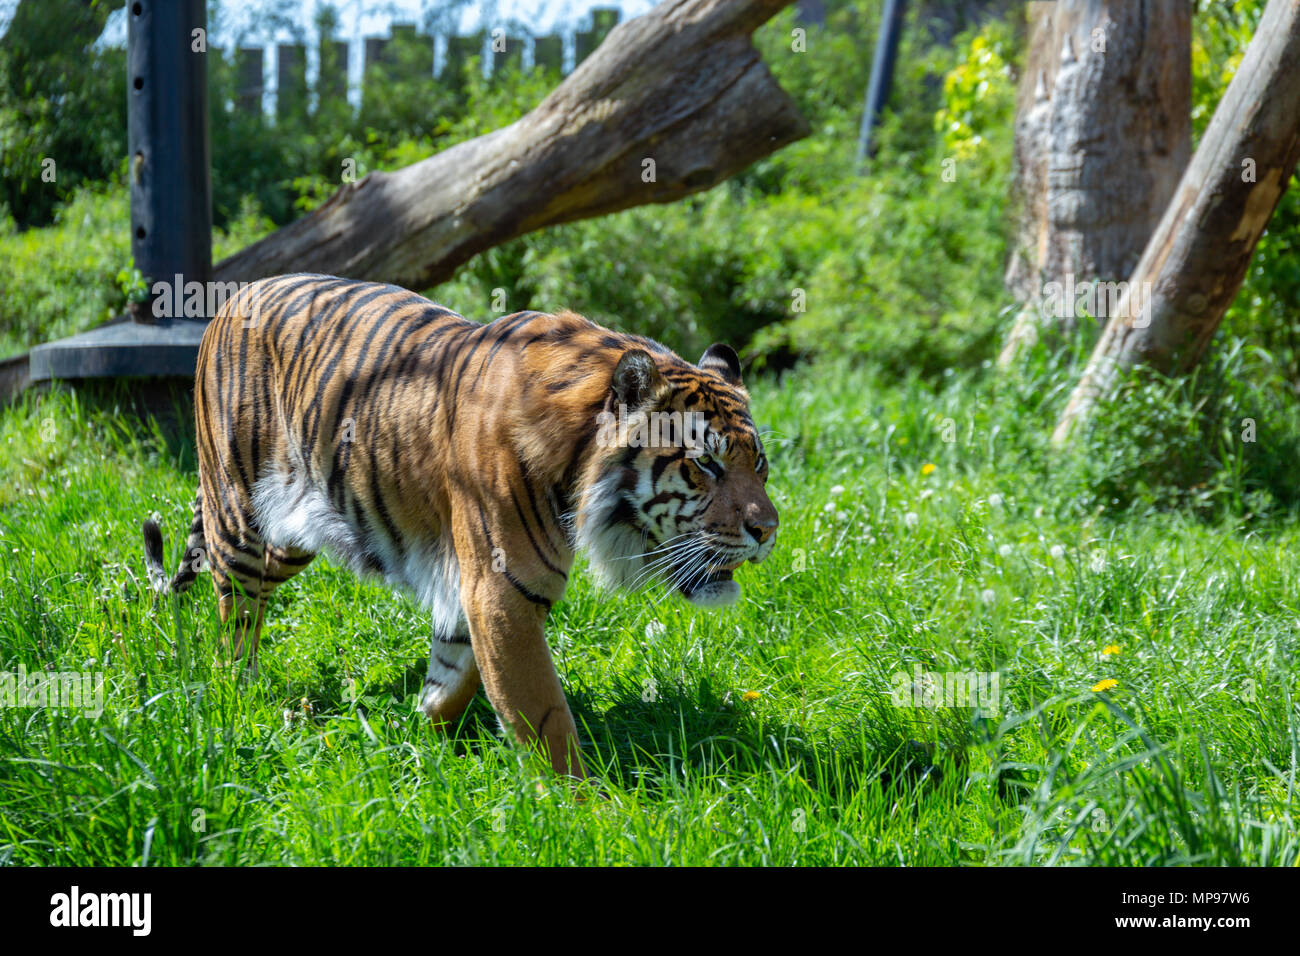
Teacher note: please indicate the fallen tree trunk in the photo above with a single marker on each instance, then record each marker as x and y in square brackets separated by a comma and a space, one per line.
[1196, 260]
[673, 102]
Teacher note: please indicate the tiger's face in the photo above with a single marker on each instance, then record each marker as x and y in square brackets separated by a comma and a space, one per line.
[682, 489]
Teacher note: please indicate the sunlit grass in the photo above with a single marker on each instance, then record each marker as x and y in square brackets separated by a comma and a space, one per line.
[762, 734]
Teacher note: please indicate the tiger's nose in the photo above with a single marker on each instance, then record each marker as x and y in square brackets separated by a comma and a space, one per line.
[762, 527]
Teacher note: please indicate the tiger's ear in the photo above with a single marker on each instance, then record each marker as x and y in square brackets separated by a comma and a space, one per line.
[723, 360]
[636, 379]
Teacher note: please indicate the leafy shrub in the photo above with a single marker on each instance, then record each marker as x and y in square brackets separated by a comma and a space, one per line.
[73, 274]
[798, 255]
[60, 99]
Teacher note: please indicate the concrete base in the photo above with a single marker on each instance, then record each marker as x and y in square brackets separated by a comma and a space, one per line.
[169, 348]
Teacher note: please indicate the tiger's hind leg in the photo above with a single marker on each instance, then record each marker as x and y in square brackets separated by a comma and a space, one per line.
[241, 604]
[237, 556]
[282, 564]
[243, 592]
[453, 677]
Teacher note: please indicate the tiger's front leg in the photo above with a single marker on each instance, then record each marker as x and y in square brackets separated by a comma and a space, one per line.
[518, 672]
[507, 606]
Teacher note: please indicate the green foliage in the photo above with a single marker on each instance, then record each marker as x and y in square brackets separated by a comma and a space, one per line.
[1216, 446]
[977, 93]
[903, 264]
[60, 100]
[292, 163]
[1220, 35]
[900, 264]
[76, 272]
[133, 285]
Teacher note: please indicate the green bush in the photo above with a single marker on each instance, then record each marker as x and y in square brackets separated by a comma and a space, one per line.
[61, 100]
[799, 256]
[67, 277]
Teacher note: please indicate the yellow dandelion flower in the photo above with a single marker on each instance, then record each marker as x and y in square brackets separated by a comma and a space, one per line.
[750, 695]
[927, 469]
[1110, 649]
[1106, 684]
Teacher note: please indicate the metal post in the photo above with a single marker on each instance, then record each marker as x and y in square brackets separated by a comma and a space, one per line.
[882, 77]
[171, 201]
[167, 133]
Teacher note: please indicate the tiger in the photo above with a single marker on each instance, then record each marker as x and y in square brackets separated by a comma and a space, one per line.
[465, 463]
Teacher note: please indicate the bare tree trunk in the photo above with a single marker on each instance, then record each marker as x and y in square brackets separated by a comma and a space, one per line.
[1194, 264]
[1103, 131]
[673, 102]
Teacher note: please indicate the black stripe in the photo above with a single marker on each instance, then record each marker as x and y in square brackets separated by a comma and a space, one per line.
[514, 581]
[291, 561]
[469, 347]
[519, 510]
[343, 450]
[661, 463]
[541, 519]
[325, 329]
[509, 327]
[243, 572]
[337, 346]
[317, 326]
[545, 717]
[253, 551]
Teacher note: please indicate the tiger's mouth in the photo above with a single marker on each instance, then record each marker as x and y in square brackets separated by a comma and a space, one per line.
[709, 587]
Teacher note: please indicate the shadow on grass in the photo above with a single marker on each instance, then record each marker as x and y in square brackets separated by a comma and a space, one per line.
[649, 739]
[638, 739]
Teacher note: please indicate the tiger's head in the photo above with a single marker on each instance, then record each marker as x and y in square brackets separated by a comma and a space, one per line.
[677, 492]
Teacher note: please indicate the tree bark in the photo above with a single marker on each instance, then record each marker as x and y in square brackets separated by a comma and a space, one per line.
[1194, 264]
[1103, 131]
[673, 102]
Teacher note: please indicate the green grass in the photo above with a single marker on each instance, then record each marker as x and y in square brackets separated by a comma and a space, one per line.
[765, 734]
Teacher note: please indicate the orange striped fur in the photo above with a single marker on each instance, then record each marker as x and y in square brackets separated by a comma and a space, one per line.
[466, 463]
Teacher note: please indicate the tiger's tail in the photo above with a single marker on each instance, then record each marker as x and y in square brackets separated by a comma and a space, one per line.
[193, 561]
